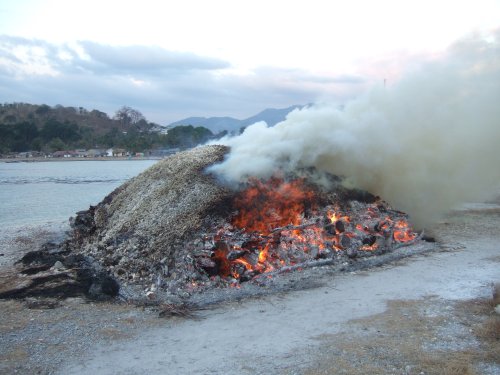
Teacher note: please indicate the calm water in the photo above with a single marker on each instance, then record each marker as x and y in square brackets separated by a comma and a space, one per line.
[35, 193]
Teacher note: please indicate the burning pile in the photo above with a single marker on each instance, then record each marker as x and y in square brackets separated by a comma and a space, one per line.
[175, 229]
[281, 224]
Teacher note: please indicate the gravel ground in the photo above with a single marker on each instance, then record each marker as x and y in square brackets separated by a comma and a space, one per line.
[15, 241]
[38, 338]
[424, 336]
[420, 315]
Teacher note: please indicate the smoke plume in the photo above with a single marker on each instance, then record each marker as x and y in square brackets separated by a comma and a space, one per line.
[424, 144]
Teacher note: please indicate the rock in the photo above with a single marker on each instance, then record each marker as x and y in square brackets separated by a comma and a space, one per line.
[103, 287]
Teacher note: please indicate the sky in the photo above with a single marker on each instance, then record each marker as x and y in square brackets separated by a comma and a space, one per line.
[176, 59]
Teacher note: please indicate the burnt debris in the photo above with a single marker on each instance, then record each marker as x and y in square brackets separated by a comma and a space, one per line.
[54, 271]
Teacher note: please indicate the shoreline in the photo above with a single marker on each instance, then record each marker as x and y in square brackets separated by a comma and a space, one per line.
[41, 160]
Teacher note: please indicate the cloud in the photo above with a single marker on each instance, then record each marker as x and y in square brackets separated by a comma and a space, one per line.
[97, 58]
[20, 57]
[147, 59]
[164, 85]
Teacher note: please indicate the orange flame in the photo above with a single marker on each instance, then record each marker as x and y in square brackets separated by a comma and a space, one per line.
[263, 207]
[284, 217]
[403, 232]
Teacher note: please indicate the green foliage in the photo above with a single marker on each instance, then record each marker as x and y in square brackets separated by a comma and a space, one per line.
[25, 136]
[17, 137]
[187, 136]
[56, 144]
[28, 127]
[66, 131]
[6, 136]
[42, 110]
[135, 141]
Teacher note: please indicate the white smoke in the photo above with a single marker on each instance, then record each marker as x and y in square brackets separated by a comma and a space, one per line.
[424, 144]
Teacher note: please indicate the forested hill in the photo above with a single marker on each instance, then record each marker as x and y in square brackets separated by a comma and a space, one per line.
[30, 127]
[100, 122]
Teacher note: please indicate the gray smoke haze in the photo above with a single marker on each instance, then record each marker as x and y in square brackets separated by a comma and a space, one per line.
[424, 144]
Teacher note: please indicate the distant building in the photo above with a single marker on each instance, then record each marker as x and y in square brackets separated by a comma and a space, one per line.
[64, 154]
[116, 152]
[24, 155]
[96, 153]
[28, 154]
[81, 153]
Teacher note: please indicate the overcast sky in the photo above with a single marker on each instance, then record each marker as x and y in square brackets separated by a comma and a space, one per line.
[174, 59]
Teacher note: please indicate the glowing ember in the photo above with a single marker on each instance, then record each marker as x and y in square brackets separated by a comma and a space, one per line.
[282, 223]
[403, 232]
[263, 207]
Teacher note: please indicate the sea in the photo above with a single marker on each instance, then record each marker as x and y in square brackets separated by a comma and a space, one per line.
[40, 197]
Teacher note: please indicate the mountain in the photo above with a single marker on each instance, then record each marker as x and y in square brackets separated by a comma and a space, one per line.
[271, 116]
[214, 124]
[218, 124]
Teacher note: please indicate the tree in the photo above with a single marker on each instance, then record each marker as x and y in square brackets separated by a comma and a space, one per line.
[42, 110]
[56, 144]
[6, 138]
[111, 138]
[66, 131]
[26, 131]
[10, 118]
[98, 114]
[17, 137]
[128, 116]
[37, 144]
[187, 136]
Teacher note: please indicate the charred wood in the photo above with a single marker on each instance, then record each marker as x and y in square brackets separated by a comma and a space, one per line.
[208, 265]
[340, 226]
[50, 273]
[345, 241]
[235, 254]
[293, 227]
